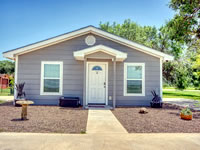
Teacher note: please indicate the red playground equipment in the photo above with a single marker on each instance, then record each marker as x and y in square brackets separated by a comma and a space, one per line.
[4, 81]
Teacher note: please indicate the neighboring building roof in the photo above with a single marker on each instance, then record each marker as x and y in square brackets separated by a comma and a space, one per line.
[89, 29]
[4, 76]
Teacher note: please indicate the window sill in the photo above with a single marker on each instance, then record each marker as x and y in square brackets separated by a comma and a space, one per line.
[51, 94]
[125, 94]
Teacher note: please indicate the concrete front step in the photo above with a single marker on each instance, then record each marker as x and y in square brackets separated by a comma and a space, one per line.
[98, 107]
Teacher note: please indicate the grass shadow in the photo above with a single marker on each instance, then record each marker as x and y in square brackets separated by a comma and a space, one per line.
[173, 113]
[18, 119]
[6, 104]
[72, 108]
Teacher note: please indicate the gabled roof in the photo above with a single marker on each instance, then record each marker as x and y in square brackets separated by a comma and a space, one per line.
[80, 55]
[89, 29]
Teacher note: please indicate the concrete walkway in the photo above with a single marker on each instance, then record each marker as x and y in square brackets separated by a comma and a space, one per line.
[192, 104]
[103, 121]
[31, 141]
[7, 98]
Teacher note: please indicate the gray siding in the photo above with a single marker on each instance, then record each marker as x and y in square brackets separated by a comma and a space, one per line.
[29, 71]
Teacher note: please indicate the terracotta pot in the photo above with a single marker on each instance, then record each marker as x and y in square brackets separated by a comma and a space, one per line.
[185, 117]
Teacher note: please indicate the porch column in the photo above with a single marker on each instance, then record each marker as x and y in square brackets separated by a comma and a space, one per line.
[84, 82]
[114, 83]
[16, 73]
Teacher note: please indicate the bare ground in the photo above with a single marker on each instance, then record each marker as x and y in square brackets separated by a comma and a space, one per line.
[43, 119]
[165, 120]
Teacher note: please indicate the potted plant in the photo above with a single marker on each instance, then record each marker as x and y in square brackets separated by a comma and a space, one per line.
[20, 93]
[186, 114]
[156, 102]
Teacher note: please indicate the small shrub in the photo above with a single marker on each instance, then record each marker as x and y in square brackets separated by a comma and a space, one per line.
[177, 73]
[83, 132]
[1, 130]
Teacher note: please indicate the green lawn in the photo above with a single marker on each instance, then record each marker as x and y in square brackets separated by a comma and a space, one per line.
[182, 94]
[5, 92]
[171, 87]
[1, 102]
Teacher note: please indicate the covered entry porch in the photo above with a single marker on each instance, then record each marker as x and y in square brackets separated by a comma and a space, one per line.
[96, 61]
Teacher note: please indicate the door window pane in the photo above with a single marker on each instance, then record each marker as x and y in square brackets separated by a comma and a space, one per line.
[96, 68]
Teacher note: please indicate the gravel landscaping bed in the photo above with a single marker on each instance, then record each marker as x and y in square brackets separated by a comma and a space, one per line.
[43, 119]
[164, 120]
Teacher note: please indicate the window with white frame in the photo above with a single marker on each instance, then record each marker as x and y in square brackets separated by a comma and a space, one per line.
[51, 78]
[134, 79]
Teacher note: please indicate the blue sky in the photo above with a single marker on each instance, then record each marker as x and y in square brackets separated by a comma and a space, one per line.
[26, 21]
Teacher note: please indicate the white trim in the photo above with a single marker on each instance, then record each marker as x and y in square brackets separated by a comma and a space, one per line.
[87, 75]
[42, 78]
[86, 30]
[80, 55]
[16, 75]
[161, 81]
[125, 79]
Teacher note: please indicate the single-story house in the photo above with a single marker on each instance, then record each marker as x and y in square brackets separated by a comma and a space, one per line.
[89, 63]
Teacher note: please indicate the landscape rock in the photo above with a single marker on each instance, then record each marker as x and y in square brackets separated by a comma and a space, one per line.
[143, 110]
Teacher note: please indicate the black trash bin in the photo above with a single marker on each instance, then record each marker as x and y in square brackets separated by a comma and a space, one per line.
[69, 101]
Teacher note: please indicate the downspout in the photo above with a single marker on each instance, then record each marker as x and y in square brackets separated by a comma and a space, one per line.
[16, 77]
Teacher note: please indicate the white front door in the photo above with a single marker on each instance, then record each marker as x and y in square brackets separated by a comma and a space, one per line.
[96, 92]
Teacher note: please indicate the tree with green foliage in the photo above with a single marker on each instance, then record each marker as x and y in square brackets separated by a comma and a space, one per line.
[185, 28]
[167, 44]
[130, 30]
[180, 37]
[186, 24]
[146, 35]
[175, 73]
[193, 55]
[7, 67]
[182, 75]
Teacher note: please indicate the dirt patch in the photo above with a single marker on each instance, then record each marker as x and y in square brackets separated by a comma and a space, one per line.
[43, 119]
[165, 120]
